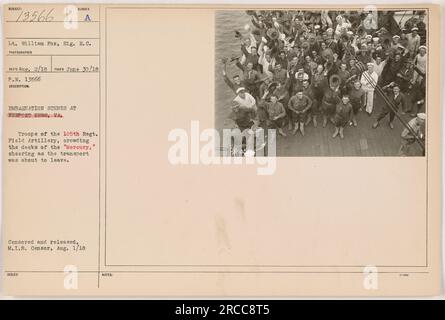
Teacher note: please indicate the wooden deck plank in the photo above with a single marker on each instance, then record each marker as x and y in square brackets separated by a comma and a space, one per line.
[352, 139]
[335, 143]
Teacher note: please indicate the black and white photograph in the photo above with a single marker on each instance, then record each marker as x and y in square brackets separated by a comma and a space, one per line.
[330, 82]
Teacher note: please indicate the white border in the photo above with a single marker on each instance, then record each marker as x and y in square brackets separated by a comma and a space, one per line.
[318, 2]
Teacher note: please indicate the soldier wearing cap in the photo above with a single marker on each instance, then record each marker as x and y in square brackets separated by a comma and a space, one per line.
[251, 78]
[413, 41]
[331, 43]
[395, 40]
[265, 60]
[309, 65]
[379, 64]
[275, 111]
[343, 114]
[244, 99]
[364, 55]
[344, 75]
[405, 75]
[331, 96]
[282, 59]
[370, 22]
[251, 56]
[329, 33]
[280, 74]
[358, 100]
[393, 66]
[369, 81]
[420, 63]
[297, 81]
[326, 53]
[397, 100]
[244, 118]
[282, 94]
[417, 125]
[352, 68]
[396, 46]
[342, 24]
[368, 38]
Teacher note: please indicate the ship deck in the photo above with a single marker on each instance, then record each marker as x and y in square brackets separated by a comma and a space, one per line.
[362, 140]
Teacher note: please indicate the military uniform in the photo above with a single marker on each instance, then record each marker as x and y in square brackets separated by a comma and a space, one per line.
[342, 114]
[243, 118]
[369, 81]
[274, 110]
[407, 138]
[299, 105]
[357, 98]
[330, 99]
[397, 101]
